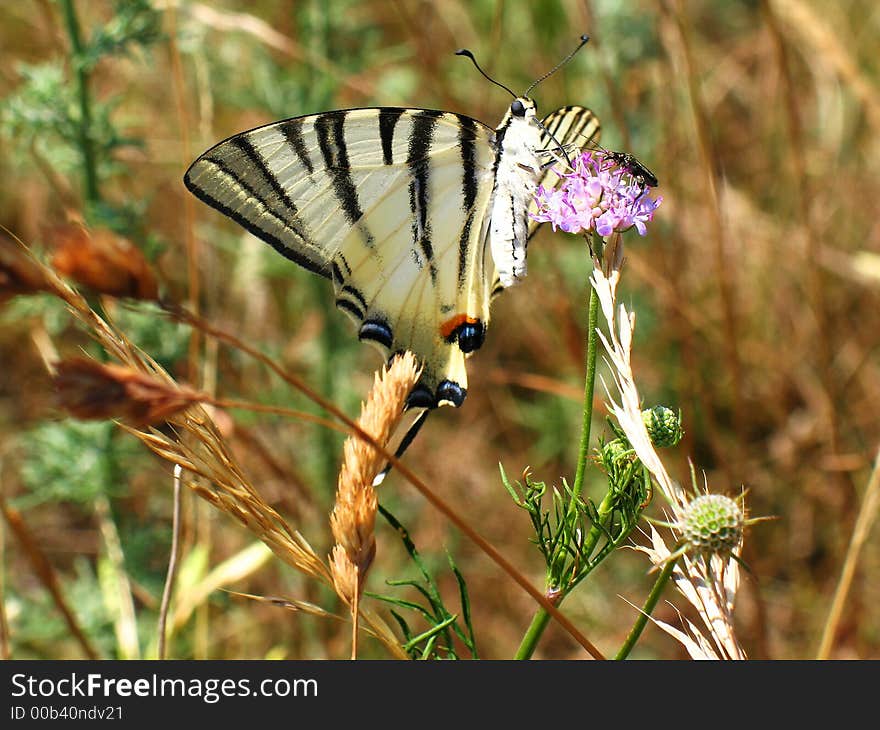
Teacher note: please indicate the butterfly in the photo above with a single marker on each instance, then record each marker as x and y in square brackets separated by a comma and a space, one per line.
[418, 217]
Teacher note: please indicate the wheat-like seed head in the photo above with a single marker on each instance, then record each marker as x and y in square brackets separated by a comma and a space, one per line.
[354, 513]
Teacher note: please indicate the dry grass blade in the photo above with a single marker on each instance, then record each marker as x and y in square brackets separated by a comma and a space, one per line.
[204, 453]
[861, 530]
[233, 569]
[19, 272]
[290, 604]
[354, 513]
[822, 42]
[200, 449]
[171, 573]
[377, 626]
[118, 591]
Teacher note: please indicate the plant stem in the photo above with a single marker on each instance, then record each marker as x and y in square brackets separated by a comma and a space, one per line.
[542, 618]
[589, 386]
[651, 601]
[533, 634]
[84, 131]
[171, 574]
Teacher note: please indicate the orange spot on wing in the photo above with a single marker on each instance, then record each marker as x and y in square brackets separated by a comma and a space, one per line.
[453, 323]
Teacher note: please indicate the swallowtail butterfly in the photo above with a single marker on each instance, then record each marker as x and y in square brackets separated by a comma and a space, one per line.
[418, 218]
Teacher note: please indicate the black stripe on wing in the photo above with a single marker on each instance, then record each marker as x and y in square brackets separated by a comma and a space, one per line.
[467, 137]
[570, 125]
[574, 128]
[377, 330]
[418, 162]
[252, 226]
[292, 132]
[292, 215]
[388, 117]
[330, 130]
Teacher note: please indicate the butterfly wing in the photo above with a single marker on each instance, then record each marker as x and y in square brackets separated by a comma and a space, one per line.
[387, 203]
[573, 127]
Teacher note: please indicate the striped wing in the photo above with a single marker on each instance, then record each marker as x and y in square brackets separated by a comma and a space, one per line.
[573, 127]
[387, 203]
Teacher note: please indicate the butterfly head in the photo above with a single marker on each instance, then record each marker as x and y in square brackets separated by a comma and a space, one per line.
[522, 113]
[523, 108]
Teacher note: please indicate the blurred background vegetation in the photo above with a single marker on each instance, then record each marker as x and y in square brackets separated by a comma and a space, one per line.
[756, 293]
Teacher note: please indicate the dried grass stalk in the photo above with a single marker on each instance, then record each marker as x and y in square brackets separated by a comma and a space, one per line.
[354, 513]
[201, 450]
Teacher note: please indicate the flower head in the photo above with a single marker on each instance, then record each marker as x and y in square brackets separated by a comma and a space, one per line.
[712, 524]
[598, 194]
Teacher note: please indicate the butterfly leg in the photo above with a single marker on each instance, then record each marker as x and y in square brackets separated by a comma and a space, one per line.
[407, 439]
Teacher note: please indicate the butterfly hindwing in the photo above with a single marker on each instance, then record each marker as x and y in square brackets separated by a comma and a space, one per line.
[390, 205]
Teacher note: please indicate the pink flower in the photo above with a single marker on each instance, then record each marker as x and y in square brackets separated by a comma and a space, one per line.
[598, 194]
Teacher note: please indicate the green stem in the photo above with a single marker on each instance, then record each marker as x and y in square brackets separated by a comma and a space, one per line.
[84, 131]
[542, 618]
[533, 634]
[603, 514]
[589, 387]
[651, 601]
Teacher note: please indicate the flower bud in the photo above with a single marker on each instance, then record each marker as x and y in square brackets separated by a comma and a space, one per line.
[664, 426]
[617, 453]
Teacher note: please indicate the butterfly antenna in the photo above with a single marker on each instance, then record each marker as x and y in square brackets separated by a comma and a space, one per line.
[466, 52]
[584, 39]
[407, 439]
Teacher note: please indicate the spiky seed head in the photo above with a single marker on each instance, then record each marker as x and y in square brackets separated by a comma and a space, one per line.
[712, 524]
[664, 426]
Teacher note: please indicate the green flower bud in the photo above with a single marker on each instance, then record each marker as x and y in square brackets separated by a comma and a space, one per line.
[713, 524]
[617, 453]
[664, 426]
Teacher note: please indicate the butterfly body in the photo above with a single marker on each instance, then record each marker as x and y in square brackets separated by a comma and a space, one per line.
[418, 217]
[518, 171]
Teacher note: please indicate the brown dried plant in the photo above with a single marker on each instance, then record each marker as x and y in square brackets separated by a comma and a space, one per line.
[102, 261]
[192, 440]
[354, 513]
[19, 272]
[91, 390]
